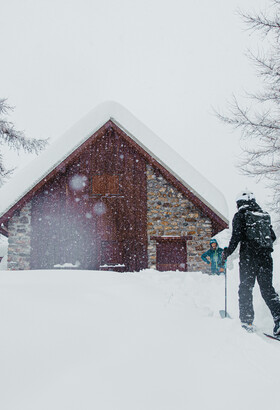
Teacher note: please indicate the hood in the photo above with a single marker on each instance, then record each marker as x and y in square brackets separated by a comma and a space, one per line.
[213, 241]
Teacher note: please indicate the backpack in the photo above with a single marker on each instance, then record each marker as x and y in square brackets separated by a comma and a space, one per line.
[258, 228]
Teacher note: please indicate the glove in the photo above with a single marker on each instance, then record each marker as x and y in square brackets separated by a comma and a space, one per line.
[224, 256]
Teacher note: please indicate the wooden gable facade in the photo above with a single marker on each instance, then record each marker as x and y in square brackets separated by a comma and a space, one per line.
[109, 205]
[92, 211]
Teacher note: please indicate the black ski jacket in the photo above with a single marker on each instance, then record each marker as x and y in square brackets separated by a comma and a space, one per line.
[239, 231]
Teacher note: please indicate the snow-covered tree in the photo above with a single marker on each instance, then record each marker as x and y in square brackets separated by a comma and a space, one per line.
[259, 122]
[14, 139]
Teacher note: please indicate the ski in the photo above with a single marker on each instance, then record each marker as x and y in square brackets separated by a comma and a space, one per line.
[272, 337]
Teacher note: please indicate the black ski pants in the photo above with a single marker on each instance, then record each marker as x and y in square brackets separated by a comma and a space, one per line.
[258, 266]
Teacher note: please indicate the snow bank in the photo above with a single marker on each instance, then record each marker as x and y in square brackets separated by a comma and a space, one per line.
[81, 340]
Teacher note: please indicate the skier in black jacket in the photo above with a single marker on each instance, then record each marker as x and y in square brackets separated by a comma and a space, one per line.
[255, 262]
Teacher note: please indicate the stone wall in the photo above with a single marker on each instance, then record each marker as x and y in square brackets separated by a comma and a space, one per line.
[19, 248]
[171, 214]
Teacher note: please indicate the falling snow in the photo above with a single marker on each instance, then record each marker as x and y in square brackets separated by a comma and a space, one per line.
[78, 182]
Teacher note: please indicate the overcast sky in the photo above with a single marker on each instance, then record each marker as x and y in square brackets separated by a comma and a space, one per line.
[168, 62]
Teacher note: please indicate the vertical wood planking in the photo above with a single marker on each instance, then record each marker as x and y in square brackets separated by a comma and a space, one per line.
[69, 220]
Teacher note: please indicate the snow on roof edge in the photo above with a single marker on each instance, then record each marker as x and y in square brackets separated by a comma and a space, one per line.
[55, 153]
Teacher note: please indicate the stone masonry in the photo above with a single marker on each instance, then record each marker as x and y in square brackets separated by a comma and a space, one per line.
[19, 249]
[171, 214]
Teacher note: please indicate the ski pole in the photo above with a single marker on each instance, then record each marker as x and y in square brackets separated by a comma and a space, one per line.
[224, 313]
[226, 289]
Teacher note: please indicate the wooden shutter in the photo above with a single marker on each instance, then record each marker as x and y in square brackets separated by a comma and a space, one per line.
[105, 185]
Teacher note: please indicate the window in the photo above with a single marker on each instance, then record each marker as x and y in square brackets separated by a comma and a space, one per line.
[105, 185]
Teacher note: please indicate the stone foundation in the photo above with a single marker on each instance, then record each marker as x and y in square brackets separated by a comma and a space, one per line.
[19, 248]
[171, 214]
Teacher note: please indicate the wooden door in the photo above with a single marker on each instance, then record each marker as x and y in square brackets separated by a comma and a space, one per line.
[172, 255]
[110, 230]
[107, 204]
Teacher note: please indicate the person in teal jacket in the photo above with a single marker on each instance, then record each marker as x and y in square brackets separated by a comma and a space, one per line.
[215, 256]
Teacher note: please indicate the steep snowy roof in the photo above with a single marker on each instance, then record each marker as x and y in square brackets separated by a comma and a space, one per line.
[26, 179]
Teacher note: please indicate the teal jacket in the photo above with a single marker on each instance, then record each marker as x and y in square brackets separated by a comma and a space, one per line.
[215, 256]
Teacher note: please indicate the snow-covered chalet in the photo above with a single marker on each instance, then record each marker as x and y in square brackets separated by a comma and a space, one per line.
[109, 195]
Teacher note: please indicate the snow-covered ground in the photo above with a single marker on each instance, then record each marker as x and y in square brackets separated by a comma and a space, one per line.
[83, 340]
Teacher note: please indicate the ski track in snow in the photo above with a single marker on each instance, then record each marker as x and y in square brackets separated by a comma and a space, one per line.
[80, 340]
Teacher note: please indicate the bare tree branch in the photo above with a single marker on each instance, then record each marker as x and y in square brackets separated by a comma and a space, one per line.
[259, 122]
[14, 139]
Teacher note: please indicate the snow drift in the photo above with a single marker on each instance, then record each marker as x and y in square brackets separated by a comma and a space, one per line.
[81, 340]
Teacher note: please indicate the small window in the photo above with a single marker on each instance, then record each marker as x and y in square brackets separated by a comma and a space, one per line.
[105, 185]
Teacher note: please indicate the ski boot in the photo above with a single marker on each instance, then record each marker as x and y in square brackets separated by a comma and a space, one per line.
[276, 330]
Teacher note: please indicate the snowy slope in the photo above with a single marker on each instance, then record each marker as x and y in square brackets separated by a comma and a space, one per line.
[80, 340]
